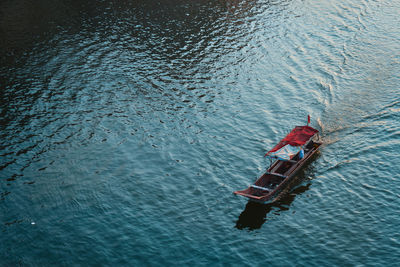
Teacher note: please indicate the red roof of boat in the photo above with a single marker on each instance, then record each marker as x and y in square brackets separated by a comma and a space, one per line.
[297, 137]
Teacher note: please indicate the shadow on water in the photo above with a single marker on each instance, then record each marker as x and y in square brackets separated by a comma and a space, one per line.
[255, 214]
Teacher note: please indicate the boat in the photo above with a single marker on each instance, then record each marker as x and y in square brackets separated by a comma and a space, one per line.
[287, 158]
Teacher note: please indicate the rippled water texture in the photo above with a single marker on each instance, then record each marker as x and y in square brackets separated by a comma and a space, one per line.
[126, 126]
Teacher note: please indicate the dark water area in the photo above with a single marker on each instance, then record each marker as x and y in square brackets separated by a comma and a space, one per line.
[125, 126]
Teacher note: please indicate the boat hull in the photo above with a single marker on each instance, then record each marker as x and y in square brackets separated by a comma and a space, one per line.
[276, 181]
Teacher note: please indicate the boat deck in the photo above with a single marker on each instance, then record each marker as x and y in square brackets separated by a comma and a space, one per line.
[279, 174]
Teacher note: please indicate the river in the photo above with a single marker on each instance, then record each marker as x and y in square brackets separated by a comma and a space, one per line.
[126, 125]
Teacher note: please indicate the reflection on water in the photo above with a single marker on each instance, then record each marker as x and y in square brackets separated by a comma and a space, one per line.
[255, 214]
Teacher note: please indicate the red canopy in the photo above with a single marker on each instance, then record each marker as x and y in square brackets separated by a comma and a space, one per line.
[297, 137]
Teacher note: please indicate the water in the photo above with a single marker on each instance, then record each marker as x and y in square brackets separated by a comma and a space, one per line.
[126, 126]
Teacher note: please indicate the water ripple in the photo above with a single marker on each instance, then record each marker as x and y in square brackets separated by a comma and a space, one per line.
[127, 125]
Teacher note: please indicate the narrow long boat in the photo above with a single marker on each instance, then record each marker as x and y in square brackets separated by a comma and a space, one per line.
[288, 157]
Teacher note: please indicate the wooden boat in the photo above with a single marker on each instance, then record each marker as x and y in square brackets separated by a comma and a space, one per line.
[282, 171]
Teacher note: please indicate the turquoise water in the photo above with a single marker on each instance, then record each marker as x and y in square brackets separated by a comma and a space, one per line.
[126, 126]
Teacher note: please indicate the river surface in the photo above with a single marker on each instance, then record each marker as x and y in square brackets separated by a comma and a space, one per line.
[125, 126]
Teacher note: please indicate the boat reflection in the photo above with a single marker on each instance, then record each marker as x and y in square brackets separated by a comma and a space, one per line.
[255, 214]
